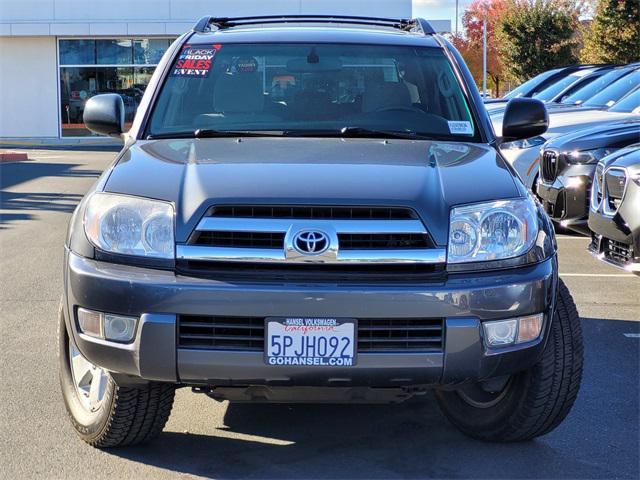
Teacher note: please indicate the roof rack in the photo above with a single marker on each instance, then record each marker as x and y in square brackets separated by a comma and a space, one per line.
[419, 25]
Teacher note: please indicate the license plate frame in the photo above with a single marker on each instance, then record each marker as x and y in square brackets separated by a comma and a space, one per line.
[318, 327]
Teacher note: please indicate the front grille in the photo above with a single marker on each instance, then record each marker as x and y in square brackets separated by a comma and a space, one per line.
[615, 181]
[549, 164]
[239, 239]
[313, 212]
[617, 252]
[247, 333]
[346, 241]
[358, 241]
[399, 334]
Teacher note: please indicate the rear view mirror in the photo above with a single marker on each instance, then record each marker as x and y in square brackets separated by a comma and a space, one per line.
[524, 118]
[302, 65]
[104, 114]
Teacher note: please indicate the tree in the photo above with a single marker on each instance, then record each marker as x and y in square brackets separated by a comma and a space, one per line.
[470, 45]
[614, 34]
[537, 35]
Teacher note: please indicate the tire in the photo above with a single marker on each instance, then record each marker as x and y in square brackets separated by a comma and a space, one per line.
[534, 401]
[124, 416]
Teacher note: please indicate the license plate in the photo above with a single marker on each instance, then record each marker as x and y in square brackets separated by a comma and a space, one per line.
[324, 342]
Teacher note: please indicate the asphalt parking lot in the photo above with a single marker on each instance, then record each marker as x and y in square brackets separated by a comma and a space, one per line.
[600, 438]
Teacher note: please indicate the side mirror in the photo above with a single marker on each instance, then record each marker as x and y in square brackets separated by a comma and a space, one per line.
[104, 114]
[524, 118]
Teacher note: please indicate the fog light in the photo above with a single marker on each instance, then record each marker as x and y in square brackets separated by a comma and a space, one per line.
[90, 322]
[119, 328]
[501, 332]
[529, 328]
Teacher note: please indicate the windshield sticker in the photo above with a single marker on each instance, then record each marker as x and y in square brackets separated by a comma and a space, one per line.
[247, 65]
[460, 127]
[195, 61]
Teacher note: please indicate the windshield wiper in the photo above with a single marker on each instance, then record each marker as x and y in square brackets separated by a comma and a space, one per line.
[211, 133]
[357, 132]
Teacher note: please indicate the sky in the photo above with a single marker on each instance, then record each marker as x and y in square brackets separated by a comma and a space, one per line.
[440, 10]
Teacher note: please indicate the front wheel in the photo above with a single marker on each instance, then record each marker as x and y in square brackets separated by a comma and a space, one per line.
[102, 413]
[530, 403]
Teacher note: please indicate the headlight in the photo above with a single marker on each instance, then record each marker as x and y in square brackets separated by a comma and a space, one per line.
[589, 156]
[492, 231]
[130, 225]
[520, 144]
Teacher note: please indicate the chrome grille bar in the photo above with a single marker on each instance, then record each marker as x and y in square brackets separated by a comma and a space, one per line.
[273, 255]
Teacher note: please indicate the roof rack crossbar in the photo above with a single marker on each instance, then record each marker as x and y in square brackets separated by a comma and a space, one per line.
[414, 25]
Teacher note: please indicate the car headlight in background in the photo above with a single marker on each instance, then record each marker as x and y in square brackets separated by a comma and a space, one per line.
[589, 156]
[130, 225]
[520, 144]
[492, 231]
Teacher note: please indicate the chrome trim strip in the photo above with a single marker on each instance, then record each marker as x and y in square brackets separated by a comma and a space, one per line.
[283, 225]
[275, 255]
[629, 267]
[606, 210]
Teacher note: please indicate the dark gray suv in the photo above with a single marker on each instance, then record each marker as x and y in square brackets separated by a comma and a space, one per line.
[314, 209]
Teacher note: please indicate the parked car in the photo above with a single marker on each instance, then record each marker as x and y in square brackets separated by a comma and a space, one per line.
[333, 247]
[614, 216]
[587, 89]
[535, 85]
[523, 154]
[567, 164]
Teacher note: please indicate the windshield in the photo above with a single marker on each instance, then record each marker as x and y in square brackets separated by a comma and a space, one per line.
[588, 91]
[615, 91]
[629, 104]
[530, 84]
[554, 89]
[302, 89]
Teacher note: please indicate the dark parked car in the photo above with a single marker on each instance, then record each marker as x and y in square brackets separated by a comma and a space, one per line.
[614, 216]
[539, 83]
[358, 238]
[567, 165]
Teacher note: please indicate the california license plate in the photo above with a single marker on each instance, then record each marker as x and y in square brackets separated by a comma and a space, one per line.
[325, 342]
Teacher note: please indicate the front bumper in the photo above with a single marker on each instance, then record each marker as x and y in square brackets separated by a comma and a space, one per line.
[616, 237]
[566, 200]
[157, 297]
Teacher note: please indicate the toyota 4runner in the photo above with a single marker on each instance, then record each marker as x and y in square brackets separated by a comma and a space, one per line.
[314, 209]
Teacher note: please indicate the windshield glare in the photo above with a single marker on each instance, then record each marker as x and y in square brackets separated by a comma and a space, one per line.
[591, 89]
[614, 92]
[529, 84]
[629, 104]
[552, 90]
[304, 87]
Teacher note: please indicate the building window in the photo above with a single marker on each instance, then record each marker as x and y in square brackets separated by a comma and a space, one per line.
[89, 67]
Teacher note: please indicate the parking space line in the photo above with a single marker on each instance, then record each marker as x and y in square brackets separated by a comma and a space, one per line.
[632, 335]
[622, 275]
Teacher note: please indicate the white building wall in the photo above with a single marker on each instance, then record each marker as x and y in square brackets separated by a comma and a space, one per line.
[28, 87]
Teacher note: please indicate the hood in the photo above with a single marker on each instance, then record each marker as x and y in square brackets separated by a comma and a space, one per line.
[617, 135]
[628, 158]
[196, 174]
[565, 121]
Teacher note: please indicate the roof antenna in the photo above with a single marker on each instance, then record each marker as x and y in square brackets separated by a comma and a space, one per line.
[313, 56]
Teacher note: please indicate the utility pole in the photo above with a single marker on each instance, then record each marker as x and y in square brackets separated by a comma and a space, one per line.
[457, 18]
[484, 56]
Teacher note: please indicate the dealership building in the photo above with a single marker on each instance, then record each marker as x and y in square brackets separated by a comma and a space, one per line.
[55, 54]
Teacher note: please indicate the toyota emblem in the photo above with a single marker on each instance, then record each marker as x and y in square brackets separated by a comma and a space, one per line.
[311, 242]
